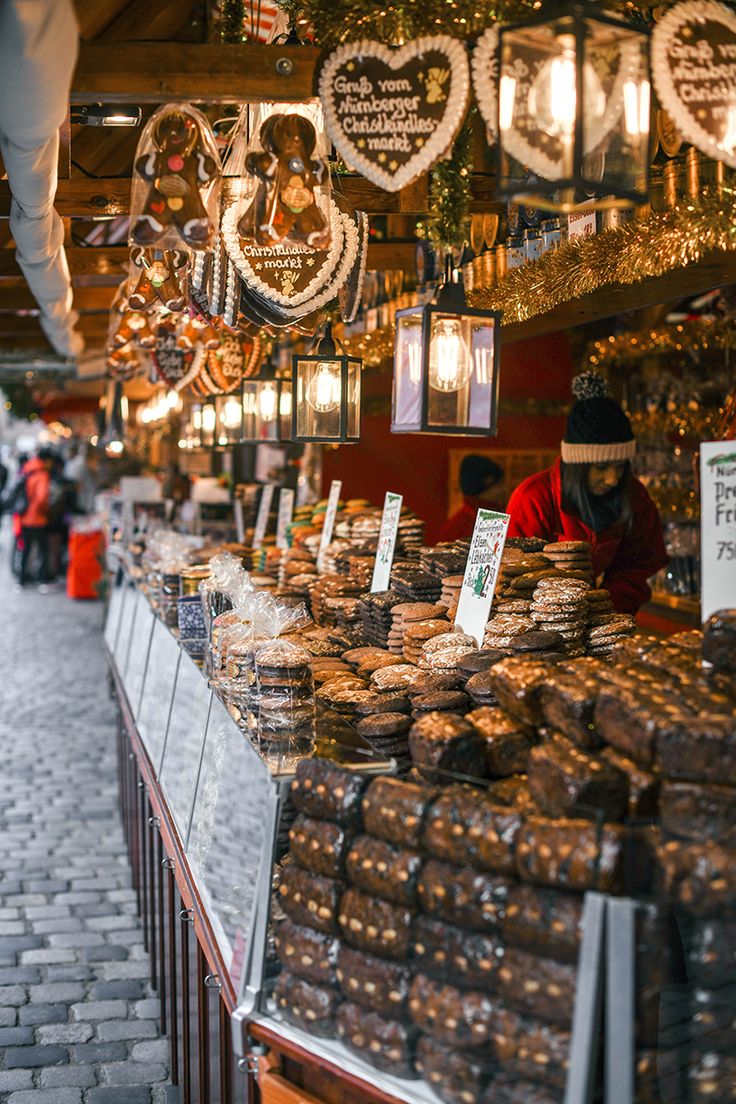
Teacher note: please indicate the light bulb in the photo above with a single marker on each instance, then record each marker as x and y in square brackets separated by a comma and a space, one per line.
[553, 94]
[197, 418]
[483, 361]
[209, 419]
[267, 402]
[636, 108]
[324, 389]
[172, 399]
[449, 358]
[230, 414]
[285, 404]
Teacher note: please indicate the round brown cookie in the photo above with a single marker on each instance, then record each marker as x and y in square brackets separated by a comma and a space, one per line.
[382, 703]
[384, 725]
[576, 632]
[619, 621]
[428, 682]
[480, 687]
[480, 660]
[566, 546]
[525, 544]
[281, 714]
[494, 641]
[445, 659]
[378, 663]
[559, 582]
[560, 610]
[357, 656]
[516, 605]
[424, 630]
[449, 640]
[417, 611]
[537, 642]
[323, 677]
[451, 701]
[394, 678]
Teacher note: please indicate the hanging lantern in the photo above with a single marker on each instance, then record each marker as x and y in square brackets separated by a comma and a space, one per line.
[266, 406]
[326, 395]
[573, 109]
[228, 421]
[446, 367]
[199, 430]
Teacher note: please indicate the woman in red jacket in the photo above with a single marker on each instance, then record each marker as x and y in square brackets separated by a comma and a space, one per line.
[590, 494]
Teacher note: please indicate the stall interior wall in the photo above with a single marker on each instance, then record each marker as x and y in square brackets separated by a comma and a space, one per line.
[418, 466]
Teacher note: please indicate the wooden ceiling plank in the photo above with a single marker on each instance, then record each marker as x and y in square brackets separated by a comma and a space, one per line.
[94, 15]
[148, 20]
[13, 299]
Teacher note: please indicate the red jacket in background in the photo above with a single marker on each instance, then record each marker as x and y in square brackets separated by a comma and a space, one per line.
[38, 481]
[461, 524]
[625, 559]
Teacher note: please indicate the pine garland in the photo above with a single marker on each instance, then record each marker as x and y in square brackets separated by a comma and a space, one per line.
[448, 223]
[232, 15]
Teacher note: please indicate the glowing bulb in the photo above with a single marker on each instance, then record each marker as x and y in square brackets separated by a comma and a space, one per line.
[114, 447]
[209, 419]
[197, 418]
[449, 359]
[483, 360]
[285, 404]
[506, 100]
[553, 94]
[230, 415]
[172, 399]
[325, 387]
[636, 108]
[267, 402]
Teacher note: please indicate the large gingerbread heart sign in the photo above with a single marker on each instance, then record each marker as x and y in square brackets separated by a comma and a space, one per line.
[392, 113]
[694, 69]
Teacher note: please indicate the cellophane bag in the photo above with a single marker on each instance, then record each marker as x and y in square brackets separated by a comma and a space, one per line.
[175, 197]
[218, 593]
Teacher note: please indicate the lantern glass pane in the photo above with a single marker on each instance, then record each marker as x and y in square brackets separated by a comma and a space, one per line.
[285, 406]
[208, 418]
[319, 395]
[229, 417]
[408, 361]
[450, 368]
[260, 410]
[353, 410]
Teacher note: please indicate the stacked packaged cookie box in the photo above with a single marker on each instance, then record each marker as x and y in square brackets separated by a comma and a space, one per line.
[433, 924]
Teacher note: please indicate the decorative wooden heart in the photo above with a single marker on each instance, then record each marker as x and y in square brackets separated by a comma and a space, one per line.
[392, 113]
[484, 66]
[694, 70]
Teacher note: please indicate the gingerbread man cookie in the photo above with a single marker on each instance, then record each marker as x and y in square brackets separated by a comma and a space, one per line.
[198, 331]
[178, 167]
[160, 280]
[285, 204]
[133, 325]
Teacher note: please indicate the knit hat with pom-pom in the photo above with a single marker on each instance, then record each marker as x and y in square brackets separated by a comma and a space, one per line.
[598, 431]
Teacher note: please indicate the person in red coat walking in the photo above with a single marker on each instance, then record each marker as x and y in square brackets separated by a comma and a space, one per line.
[590, 494]
[35, 518]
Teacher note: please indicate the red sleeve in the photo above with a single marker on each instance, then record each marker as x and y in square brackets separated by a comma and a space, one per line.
[456, 527]
[639, 556]
[532, 510]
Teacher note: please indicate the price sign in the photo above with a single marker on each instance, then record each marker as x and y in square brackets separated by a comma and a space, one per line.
[239, 520]
[718, 525]
[286, 513]
[481, 573]
[386, 541]
[264, 509]
[329, 525]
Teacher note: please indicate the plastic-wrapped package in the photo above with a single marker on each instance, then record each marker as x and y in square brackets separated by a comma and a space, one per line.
[175, 198]
[286, 704]
[227, 582]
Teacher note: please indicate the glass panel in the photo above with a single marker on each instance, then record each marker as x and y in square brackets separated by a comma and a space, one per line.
[260, 409]
[114, 612]
[354, 382]
[231, 838]
[483, 381]
[319, 392]
[229, 419]
[407, 396]
[130, 604]
[158, 689]
[183, 749]
[138, 655]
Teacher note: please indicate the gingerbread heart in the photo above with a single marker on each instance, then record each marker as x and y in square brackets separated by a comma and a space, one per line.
[484, 66]
[694, 69]
[172, 364]
[392, 113]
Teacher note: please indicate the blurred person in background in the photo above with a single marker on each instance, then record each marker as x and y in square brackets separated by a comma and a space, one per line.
[479, 482]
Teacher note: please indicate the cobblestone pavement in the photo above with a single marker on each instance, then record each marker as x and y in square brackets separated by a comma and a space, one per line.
[78, 1019]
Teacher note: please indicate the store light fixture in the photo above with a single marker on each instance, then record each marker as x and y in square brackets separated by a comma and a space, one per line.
[267, 407]
[326, 394]
[229, 420]
[573, 109]
[199, 431]
[110, 115]
[446, 366]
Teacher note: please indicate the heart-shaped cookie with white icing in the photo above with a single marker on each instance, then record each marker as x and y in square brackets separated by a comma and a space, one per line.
[390, 112]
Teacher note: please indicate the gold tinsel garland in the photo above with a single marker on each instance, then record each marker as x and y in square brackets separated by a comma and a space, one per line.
[695, 336]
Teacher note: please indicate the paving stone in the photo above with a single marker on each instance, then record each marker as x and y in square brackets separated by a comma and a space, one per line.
[77, 971]
[12, 927]
[52, 992]
[8, 1016]
[107, 1095]
[13, 995]
[118, 971]
[153, 1050]
[110, 1030]
[53, 927]
[100, 1010]
[19, 975]
[76, 939]
[134, 1073]
[104, 953]
[148, 1009]
[43, 1014]
[47, 1096]
[114, 990]
[65, 1033]
[15, 1079]
[17, 943]
[46, 956]
[16, 1036]
[47, 912]
[46, 885]
[79, 897]
[28, 1057]
[57, 1076]
[99, 1052]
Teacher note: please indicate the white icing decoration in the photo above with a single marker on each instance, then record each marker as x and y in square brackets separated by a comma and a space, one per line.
[484, 67]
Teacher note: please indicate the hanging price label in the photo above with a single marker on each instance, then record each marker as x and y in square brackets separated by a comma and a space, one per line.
[239, 520]
[264, 509]
[386, 541]
[286, 513]
[718, 525]
[329, 525]
[481, 573]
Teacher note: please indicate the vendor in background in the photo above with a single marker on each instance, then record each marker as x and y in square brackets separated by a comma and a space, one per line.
[479, 480]
[590, 494]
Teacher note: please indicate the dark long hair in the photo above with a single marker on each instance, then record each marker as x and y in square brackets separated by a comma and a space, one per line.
[597, 511]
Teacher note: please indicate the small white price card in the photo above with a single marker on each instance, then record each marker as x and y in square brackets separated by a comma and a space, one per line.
[239, 520]
[264, 509]
[386, 541]
[329, 525]
[286, 513]
[481, 573]
[718, 525]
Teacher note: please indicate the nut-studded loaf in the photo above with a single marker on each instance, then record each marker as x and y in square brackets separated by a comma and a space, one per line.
[306, 952]
[453, 954]
[380, 869]
[323, 790]
[387, 1044]
[530, 1049]
[710, 952]
[447, 742]
[463, 827]
[517, 682]
[457, 1076]
[568, 705]
[459, 1017]
[567, 782]
[373, 982]
[394, 810]
[703, 750]
[632, 722]
[461, 895]
[310, 899]
[546, 921]
[508, 1090]
[309, 1006]
[507, 740]
[643, 786]
[538, 986]
[698, 812]
[319, 845]
[571, 854]
[719, 640]
[711, 1078]
[375, 926]
[700, 877]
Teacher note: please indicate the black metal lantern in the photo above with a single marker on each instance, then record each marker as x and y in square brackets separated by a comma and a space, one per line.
[573, 109]
[228, 421]
[199, 430]
[446, 367]
[267, 408]
[326, 394]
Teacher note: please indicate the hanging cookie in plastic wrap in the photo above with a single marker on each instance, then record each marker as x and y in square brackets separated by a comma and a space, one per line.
[123, 364]
[128, 324]
[172, 364]
[196, 330]
[175, 199]
[158, 277]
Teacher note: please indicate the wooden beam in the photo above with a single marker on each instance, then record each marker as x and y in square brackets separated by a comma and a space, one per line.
[157, 72]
